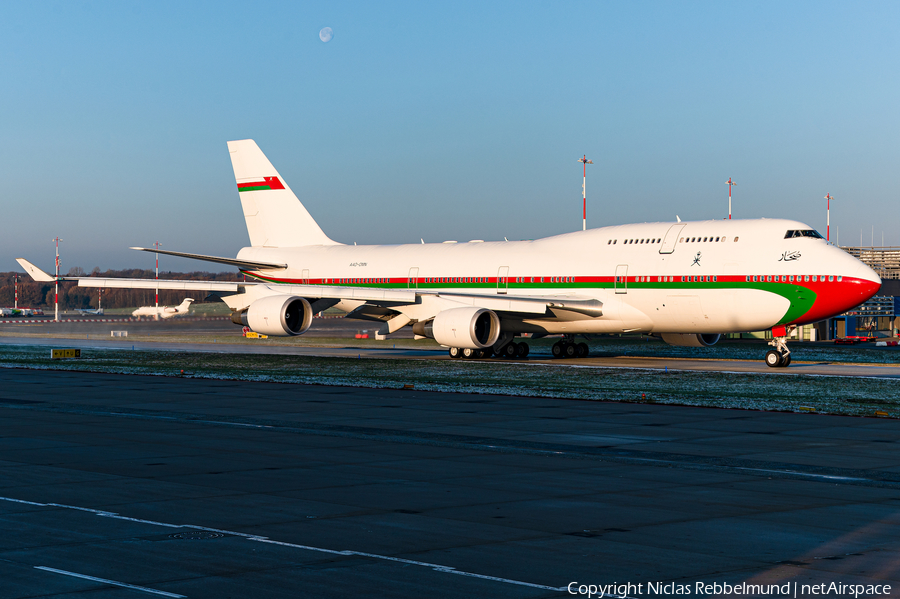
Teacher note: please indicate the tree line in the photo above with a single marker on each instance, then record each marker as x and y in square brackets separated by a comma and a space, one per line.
[33, 294]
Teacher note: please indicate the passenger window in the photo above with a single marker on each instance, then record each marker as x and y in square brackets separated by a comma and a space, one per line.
[735, 239]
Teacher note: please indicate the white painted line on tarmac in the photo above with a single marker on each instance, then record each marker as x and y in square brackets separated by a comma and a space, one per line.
[250, 537]
[111, 582]
[807, 474]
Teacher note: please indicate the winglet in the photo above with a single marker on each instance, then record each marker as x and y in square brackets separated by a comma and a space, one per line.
[36, 273]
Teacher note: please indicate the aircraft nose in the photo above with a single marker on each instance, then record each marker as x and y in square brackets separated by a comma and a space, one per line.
[871, 280]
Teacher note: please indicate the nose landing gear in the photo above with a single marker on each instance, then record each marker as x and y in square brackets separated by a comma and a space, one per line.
[781, 355]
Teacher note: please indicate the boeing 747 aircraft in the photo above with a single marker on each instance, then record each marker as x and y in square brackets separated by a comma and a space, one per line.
[686, 282]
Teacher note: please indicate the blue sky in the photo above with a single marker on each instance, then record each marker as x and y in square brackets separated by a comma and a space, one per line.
[440, 120]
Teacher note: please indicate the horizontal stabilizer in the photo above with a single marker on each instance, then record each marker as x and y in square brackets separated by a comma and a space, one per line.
[248, 264]
[36, 273]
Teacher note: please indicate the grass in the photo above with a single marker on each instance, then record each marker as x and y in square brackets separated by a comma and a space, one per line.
[833, 395]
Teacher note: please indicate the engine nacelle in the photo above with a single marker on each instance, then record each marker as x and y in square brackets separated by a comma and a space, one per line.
[279, 315]
[472, 328]
[691, 339]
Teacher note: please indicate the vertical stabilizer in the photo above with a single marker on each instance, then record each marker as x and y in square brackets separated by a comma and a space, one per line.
[274, 215]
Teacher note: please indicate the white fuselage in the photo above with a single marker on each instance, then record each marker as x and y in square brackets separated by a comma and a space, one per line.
[699, 277]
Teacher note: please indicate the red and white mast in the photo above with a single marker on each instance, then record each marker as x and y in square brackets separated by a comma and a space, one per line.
[828, 197]
[56, 291]
[584, 161]
[730, 183]
[16, 306]
[156, 245]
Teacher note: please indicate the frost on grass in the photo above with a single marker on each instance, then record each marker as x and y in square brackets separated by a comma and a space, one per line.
[837, 395]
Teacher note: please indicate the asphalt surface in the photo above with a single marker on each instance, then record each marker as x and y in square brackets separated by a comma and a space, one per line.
[96, 333]
[204, 488]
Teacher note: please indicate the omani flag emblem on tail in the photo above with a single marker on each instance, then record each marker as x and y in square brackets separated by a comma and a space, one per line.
[266, 184]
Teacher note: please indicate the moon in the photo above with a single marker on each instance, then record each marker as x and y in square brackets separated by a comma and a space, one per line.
[326, 34]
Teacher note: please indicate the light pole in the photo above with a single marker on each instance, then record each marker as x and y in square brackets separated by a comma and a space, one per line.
[828, 197]
[584, 161]
[16, 305]
[730, 184]
[56, 291]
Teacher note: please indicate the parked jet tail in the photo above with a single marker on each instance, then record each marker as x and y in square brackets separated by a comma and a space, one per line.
[274, 215]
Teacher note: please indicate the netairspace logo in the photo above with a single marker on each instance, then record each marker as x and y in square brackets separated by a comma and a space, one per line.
[788, 589]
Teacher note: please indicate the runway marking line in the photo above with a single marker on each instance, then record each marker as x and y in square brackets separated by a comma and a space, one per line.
[111, 582]
[260, 539]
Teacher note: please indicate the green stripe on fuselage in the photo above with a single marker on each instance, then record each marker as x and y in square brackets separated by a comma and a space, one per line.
[255, 188]
[800, 298]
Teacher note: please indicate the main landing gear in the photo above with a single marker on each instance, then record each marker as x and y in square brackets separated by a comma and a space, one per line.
[567, 348]
[781, 355]
[510, 351]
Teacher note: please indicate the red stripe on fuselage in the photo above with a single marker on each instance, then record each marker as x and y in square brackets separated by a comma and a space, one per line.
[833, 298]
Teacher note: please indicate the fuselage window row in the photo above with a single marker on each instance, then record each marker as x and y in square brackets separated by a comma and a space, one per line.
[637, 279]
[655, 240]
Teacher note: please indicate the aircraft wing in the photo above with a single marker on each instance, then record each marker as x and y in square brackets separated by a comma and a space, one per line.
[391, 299]
[527, 304]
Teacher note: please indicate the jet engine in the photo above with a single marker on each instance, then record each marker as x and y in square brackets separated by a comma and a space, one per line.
[279, 315]
[470, 327]
[691, 339]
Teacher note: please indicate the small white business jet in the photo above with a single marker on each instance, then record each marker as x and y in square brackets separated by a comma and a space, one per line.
[164, 311]
[90, 311]
[686, 282]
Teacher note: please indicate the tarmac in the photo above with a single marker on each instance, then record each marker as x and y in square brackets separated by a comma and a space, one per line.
[115, 486]
[97, 335]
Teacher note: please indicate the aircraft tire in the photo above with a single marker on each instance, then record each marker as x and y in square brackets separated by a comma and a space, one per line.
[454, 352]
[773, 359]
[583, 350]
[468, 353]
[786, 361]
[510, 350]
[570, 350]
[522, 350]
[557, 350]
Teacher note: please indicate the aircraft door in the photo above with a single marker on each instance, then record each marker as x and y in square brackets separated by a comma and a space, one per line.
[304, 276]
[671, 238]
[412, 282]
[503, 279]
[622, 278]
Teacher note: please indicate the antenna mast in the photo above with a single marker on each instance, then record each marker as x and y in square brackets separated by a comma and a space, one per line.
[156, 245]
[730, 184]
[584, 161]
[56, 291]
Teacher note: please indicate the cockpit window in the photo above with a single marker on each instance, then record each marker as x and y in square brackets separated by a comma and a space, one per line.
[803, 233]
